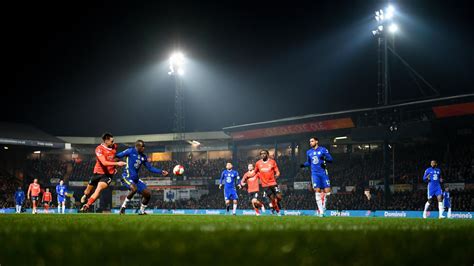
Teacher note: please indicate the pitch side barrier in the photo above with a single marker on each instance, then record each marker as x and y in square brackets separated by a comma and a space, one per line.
[39, 210]
[333, 213]
[349, 213]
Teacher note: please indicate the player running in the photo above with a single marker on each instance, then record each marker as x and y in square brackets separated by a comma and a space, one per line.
[19, 199]
[230, 177]
[250, 179]
[104, 170]
[433, 176]
[135, 158]
[317, 157]
[447, 201]
[268, 171]
[47, 198]
[61, 191]
[33, 192]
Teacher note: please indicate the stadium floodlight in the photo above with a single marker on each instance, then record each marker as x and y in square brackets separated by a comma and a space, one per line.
[374, 32]
[176, 62]
[380, 28]
[5, 148]
[37, 152]
[393, 28]
[195, 142]
[340, 138]
[389, 12]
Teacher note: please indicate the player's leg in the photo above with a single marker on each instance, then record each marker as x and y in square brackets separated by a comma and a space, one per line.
[235, 198]
[317, 193]
[34, 205]
[449, 212]
[100, 186]
[439, 196]
[146, 195]
[59, 205]
[326, 194]
[64, 206]
[46, 207]
[255, 206]
[227, 205]
[89, 189]
[132, 191]
[428, 202]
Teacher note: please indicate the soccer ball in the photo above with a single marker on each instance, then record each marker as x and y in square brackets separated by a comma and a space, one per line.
[178, 170]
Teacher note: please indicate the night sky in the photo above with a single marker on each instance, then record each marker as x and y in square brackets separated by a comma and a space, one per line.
[82, 69]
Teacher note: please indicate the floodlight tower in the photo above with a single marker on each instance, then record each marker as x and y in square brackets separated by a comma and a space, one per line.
[176, 70]
[386, 28]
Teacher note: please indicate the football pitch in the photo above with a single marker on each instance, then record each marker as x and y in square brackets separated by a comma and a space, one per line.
[107, 239]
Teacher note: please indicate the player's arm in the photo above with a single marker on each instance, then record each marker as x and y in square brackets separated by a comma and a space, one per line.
[238, 181]
[104, 162]
[124, 153]
[221, 180]
[426, 176]
[277, 171]
[154, 170]
[243, 182]
[307, 163]
[327, 156]
[29, 190]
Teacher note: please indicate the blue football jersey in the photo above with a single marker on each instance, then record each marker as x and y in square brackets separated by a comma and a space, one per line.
[134, 161]
[316, 158]
[433, 176]
[229, 178]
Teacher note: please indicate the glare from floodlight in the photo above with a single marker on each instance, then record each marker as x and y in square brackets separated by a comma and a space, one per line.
[380, 28]
[177, 62]
[393, 28]
[177, 59]
[390, 9]
[374, 32]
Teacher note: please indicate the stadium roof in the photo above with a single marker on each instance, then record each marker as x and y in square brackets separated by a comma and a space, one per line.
[26, 135]
[168, 137]
[290, 120]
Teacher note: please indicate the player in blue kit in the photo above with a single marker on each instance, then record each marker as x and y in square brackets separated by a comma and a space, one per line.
[229, 178]
[19, 199]
[433, 177]
[61, 191]
[447, 201]
[317, 157]
[135, 158]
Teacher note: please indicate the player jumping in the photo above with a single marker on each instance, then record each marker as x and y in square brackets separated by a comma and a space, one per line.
[229, 176]
[61, 191]
[433, 176]
[104, 170]
[34, 190]
[250, 179]
[268, 172]
[317, 156]
[135, 158]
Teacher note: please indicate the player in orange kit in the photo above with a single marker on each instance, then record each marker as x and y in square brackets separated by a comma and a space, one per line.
[34, 190]
[250, 180]
[268, 172]
[104, 170]
[47, 198]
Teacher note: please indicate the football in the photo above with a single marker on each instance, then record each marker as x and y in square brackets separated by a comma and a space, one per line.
[178, 170]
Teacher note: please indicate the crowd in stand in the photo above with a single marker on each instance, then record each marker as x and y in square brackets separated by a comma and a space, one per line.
[348, 169]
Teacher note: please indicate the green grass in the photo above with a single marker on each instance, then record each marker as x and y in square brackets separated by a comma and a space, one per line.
[89, 239]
